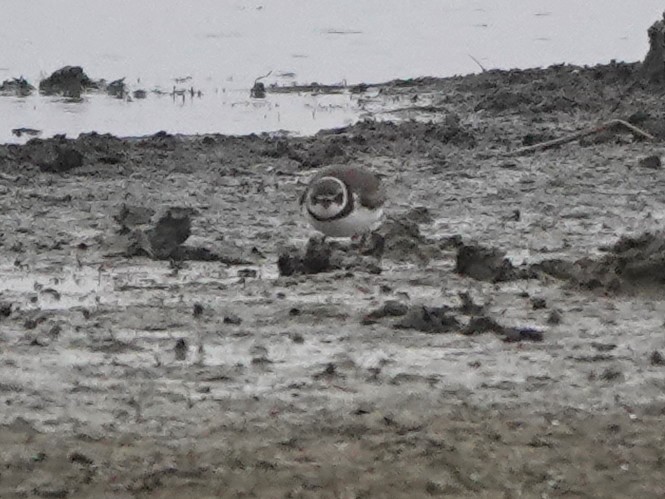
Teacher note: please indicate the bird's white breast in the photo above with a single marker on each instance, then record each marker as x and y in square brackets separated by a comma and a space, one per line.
[358, 221]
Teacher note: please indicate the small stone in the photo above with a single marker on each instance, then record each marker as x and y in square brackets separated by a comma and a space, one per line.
[232, 318]
[297, 338]
[197, 310]
[5, 309]
[329, 372]
[656, 358]
[610, 374]
[180, 349]
[652, 162]
[514, 334]
[247, 273]
[78, 457]
[554, 318]
[538, 302]
[603, 347]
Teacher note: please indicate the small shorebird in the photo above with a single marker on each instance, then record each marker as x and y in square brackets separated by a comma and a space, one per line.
[344, 201]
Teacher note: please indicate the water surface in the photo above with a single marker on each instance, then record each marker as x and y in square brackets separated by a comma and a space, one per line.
[220, 48]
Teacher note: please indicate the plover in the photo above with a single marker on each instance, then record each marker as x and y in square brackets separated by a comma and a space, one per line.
[344, 201]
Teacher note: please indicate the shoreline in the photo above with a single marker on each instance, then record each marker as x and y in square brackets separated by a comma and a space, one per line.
[286, 388]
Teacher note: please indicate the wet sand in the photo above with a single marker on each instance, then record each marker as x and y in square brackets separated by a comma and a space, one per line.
[143, 377]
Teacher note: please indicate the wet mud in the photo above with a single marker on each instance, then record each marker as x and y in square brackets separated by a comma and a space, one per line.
[171, 327]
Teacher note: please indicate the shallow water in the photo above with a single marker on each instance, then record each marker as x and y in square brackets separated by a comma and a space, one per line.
[220, 48]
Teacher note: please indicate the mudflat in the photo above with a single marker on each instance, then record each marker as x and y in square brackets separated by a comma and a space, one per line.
[504, 339]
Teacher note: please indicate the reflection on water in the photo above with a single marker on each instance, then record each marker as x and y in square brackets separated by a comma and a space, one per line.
[229, 112]
[220, 48]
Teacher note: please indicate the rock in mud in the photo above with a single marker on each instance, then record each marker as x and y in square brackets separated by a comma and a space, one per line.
[484, 264]
[429, 320]
[323, 256]
[20, 87]
[69, 81]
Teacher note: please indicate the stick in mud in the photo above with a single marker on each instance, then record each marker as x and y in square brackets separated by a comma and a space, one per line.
[583, 133]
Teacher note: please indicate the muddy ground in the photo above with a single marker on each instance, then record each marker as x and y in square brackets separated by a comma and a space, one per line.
[210, 375]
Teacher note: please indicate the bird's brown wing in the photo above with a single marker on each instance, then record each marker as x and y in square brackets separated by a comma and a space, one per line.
[367, 185]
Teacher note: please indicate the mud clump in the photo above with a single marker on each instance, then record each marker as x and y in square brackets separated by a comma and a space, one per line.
[131, 216]
[258, 91]
[402, 240]
[164, 238]
[159, 241]
[117, 88]
[391, 308]
[322, 256]
[5, 309]
[66, 158]
[171, 230]
[60, 154]
[652, 162]
[444, 319]
[484, 264]
[69, 81]
[653, 67]
[20, 87]
[433, 320]
[633, 264]
[374, 138]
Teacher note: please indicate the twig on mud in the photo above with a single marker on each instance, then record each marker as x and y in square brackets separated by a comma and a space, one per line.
[478, 62]
[262, 77]
[583, 133]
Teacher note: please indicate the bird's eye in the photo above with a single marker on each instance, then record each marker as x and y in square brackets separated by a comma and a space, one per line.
[339, 199]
